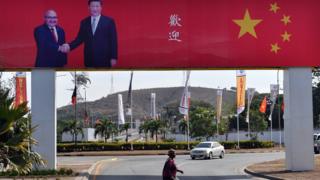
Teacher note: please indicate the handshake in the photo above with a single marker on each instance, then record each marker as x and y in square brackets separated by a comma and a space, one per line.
[65, 48]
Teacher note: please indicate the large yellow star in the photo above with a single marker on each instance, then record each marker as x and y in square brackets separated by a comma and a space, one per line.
[274, 7]
[247, 25]
[275, 48]
[286, 19]
[286, 36]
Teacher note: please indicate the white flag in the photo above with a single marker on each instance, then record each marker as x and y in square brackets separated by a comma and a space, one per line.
[219, 104]
[250, 92]
[274, 90]
[185, 99]
[120, 110]
[153, 106]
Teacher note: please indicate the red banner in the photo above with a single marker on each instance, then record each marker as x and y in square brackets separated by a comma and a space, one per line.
[162, 34]
[21, 89]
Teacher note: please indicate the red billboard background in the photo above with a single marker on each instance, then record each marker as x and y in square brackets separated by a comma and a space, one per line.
[208, 36]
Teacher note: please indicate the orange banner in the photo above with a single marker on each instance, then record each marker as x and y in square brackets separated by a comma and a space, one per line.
[241, 91]
[21, 89]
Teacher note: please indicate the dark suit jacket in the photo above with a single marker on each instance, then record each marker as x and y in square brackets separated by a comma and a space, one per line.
[48, 54]
[101, 47]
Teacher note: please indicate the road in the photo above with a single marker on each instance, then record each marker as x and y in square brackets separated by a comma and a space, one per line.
[150, 167]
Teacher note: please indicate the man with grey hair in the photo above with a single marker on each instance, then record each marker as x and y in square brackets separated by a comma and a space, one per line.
[49, 38]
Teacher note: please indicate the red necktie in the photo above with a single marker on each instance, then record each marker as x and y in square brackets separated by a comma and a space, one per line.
[54, 35]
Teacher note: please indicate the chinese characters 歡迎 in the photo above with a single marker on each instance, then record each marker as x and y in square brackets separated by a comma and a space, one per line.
[175, 22]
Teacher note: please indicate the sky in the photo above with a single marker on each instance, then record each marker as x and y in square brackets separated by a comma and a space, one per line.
[101, 81]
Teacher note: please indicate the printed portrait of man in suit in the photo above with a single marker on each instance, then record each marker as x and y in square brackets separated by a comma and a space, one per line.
[99, 35]
[49, 37]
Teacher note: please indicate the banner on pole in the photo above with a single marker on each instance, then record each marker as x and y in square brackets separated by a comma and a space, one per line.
[21, 88]
[121, 119]
[185, 99]
[219, 104]
[241, 90]
[274, 90]
[250, 95]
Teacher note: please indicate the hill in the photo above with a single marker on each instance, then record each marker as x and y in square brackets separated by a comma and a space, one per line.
[108, 106]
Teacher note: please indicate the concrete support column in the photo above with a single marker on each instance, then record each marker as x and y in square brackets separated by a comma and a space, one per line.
[298, 119]
[43, 109]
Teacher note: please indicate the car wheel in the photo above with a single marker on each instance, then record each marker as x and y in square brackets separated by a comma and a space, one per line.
[210, 155]
[193, 158]
[221, 155]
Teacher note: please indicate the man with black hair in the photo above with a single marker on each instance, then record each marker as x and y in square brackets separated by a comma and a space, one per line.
[99, 35]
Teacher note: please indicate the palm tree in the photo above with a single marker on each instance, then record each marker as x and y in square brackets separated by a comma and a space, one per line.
[114, 131]
[73, 127]
[16, 137]
[154, 126]
[183, 125]
[104, 128]
[144, 128]
[126, 127]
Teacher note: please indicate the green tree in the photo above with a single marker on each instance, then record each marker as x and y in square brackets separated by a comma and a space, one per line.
[16, 137]
[154, 127]
[183, 127]
[224, 126]
[104, 128]
[201, 122]
[144, 128]
[114, 131]
[73, 127]
[257, 124]
[126, 128]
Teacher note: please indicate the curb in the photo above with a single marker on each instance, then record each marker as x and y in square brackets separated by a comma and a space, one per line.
[246, 170]
[138, 154]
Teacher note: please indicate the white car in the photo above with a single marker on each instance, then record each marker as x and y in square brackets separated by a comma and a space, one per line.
[208, 150]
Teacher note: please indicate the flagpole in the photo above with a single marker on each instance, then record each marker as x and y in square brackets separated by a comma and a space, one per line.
[131, 113]
[279, 109]
[75, 105]
[271, 127]
[188, 131]
[248, 117]
[238, 131]
[85, 107]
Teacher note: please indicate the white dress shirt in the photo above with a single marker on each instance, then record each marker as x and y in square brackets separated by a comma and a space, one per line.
[96, 22]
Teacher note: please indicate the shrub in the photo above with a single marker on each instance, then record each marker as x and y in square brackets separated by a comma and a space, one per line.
[153, 146]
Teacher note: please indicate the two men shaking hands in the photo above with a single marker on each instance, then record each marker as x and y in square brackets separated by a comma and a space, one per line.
[97, 32]
[65, 48]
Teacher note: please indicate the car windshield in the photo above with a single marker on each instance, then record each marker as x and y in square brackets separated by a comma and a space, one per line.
[204, 145]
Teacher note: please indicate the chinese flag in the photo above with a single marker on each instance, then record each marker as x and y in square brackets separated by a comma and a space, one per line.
[74, 96]
[263, 105]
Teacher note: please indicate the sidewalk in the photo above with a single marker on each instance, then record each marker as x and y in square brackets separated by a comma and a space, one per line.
[276, 170]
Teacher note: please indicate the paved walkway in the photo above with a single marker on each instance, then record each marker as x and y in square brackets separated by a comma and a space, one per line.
[276, 170]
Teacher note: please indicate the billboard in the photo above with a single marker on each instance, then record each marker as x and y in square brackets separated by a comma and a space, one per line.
[159, 34]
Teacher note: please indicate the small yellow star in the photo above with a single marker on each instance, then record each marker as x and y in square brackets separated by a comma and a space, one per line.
[286, 36]
[275, 48]
[247, 25]
[286, 19]
[274, 7]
